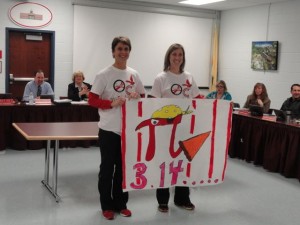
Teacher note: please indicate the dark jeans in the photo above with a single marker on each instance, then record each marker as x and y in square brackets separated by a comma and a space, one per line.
[182, 195]
[112, 196]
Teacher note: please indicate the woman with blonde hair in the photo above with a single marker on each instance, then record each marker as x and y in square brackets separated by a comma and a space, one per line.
[78, 90]
[221, 92]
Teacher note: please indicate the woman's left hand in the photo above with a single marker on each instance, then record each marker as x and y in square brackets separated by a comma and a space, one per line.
[134, 95]
[259, 101]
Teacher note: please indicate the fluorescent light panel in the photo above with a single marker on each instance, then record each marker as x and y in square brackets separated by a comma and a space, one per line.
[200, 2]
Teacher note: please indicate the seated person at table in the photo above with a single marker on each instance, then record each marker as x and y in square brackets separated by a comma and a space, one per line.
[220, 93]
[78, 90]
[293, 103]
[259, 97]
[37, 86]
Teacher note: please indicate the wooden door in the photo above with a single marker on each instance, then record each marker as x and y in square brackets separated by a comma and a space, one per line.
[28, 51]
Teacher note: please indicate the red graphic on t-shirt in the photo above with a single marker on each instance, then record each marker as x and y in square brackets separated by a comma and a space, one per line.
[130, 81]
[119, 86]
[187, 84]
[176, 89]
[187, 89]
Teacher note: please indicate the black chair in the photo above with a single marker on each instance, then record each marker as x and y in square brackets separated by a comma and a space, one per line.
[236, 105]
[270, 111]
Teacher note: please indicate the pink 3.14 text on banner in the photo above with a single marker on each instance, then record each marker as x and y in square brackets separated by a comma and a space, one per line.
[174, 142]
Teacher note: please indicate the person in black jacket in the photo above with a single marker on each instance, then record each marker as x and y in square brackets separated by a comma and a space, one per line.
[78, 90]
[293, 103]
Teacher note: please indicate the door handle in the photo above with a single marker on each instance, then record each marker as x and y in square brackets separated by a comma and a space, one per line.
[12, 78]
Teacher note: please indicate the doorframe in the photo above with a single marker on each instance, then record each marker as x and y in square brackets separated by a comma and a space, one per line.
[52, 52]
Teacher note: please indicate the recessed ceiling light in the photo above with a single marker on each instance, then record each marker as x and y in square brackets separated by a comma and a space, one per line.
[200, 2]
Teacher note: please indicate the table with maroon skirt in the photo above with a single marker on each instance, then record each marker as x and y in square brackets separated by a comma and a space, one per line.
[9, 114]
[273, 145]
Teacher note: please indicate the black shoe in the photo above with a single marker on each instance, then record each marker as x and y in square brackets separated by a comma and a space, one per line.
[163, 208]
[187, 206]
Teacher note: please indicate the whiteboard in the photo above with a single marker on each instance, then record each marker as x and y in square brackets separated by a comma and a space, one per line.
[150, 34]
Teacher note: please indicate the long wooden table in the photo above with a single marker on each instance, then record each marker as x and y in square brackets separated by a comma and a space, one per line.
[56, 132]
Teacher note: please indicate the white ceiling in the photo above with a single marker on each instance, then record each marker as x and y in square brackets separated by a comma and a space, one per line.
[226, 5]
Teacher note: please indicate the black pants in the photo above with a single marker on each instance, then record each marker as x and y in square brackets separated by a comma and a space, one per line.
[112, 196]
[182, 195]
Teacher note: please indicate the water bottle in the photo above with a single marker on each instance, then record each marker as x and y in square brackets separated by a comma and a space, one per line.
[288, 116]
[31, 99]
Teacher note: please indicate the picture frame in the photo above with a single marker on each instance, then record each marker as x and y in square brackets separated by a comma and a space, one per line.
[264, 55]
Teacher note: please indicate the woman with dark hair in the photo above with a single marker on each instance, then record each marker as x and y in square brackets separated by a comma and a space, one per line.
[221, 92]
[174, 82]
[259, 97]
[109, 92]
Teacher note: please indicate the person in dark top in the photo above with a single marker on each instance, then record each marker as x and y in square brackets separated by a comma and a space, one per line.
[259, 97]
[78, 90]
[293, 103]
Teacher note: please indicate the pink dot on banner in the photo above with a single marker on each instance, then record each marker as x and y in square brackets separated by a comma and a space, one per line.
[184, 182]
[209, 181]
[194, 182]
[202, 181]
[216, 180]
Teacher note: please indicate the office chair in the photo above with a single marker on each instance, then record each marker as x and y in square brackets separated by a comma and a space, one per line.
[236, 105]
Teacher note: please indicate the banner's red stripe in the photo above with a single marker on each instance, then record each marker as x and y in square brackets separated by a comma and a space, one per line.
[193, 117]
[140, 109]
[229, 122]
[212, 147]
[123, 139]
[194, 104]
[139, 150]
[188, 170]
[192, 124]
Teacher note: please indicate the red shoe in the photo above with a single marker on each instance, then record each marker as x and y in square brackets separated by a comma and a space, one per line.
[125, 212]
[187, 206]
[108, 214]
[163, 208]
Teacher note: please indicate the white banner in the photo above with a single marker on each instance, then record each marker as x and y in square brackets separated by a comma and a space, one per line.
[174, 142]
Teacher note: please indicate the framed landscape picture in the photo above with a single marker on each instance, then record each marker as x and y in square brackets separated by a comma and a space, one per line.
[264, 55]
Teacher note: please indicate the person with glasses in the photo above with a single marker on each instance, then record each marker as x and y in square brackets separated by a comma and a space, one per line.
[220, 93]
[112, 87]
[259, 97]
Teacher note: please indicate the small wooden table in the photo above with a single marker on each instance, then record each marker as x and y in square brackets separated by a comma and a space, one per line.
[56, 132]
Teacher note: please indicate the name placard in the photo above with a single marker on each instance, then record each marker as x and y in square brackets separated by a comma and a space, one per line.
[43, 101]
[9, 101]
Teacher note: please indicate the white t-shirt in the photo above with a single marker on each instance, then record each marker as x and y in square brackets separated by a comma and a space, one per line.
[111, 83]
[170, 85]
